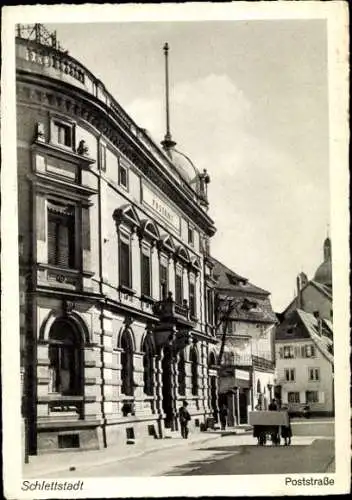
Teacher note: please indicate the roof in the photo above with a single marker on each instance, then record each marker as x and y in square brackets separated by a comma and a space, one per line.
[321, 341]
[292, 328]
[247, 308]
[229, 280]
[251, 303]
[321, 288]
[301, 325]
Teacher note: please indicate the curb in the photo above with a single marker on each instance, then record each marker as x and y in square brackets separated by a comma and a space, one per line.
[110, 459]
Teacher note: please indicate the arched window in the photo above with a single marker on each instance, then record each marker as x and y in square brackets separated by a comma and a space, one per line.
[211, 360]
[65, 359]
[148, 366]
[181, 373]
[127, 364]
[194, 371]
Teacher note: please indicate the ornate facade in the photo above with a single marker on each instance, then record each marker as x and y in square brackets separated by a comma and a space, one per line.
[116, 290]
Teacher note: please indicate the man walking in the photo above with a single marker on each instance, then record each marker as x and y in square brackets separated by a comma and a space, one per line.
[185, 417]
[223, 416]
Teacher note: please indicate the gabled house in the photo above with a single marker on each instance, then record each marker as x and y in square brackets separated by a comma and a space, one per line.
[247, 367]
[304, 363]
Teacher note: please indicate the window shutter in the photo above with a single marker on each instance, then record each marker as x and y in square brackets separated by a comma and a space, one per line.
[85, 229]
[296, 351]
[63, 245]
[52, 242]
[321, 396]
[192, 303]
[146, 274]
[178, 288]
[124, 264]
[303, 351]
[281, 352]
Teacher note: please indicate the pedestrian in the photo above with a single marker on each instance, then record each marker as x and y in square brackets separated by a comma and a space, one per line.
[185, 417]
[286, 431]
[223, 416]
[273, 405]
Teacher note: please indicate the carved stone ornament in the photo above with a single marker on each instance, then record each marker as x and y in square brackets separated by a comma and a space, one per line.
[83, 148]
[128, 321]
[67, 306]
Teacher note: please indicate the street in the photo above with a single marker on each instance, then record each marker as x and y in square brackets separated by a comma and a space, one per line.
[234, 454]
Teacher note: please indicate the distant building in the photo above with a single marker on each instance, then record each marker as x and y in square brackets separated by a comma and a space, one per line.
[304, 344]
[247, 369]
[315, 295]
[305, 363]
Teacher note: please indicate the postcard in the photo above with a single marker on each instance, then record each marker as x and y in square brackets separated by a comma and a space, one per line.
[175, 258]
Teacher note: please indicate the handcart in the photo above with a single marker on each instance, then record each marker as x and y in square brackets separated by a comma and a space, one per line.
[268, 423]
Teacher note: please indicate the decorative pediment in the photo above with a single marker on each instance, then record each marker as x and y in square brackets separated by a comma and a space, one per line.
[149, 230]
[166, 242]
[128, 215]
[195, 264]
[182, 253]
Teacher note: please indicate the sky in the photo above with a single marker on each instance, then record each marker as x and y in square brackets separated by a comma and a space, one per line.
[249, 103]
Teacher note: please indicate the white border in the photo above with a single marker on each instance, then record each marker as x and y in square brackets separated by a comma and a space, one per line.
[336, 14]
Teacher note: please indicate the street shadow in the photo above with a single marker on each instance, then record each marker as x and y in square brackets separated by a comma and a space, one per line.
[253, 459]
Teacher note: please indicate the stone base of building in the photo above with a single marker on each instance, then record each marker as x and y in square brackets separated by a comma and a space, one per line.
[69, 437]
[85, 436]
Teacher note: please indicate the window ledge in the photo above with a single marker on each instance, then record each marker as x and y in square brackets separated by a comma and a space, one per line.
[127, 290]
[147, 298]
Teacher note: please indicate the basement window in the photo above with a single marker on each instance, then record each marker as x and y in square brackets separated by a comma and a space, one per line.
[68, 441]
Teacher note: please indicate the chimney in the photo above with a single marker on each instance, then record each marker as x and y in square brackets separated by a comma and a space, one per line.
[299, 295]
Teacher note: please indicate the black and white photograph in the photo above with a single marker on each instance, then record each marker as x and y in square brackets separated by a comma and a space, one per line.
[175, 251]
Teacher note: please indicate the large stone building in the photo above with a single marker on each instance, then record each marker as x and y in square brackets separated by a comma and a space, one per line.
[247, 367]
[116, 290]
[304, 344]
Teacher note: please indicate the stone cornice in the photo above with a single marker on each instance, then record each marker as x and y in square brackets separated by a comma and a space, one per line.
[64, 98]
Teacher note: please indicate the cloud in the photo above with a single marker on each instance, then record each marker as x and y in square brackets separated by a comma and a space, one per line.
[262, 192]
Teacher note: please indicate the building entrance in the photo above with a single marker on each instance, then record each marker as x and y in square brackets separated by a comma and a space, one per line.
[243, 406]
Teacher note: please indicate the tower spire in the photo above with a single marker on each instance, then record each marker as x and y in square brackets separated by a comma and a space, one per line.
[167, 143]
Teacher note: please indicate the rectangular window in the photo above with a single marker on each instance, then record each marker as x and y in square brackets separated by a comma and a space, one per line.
[123, 175]
[210, 311]
[190, 236]
[103, 157]
[146, 274]
[178, 288]
[313, 374]
[125, 261]
[61, 235]
[62, 133]
[192, 300]
[312, 397]
[163, 277]
[290, 374]
[293, 397]
[288, 352]
[230, 327]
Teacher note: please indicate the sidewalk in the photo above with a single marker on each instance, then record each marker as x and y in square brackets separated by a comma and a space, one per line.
[45, 464]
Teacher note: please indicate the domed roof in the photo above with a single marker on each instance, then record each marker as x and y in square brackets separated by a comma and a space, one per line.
[323, 274]
[184, 166]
